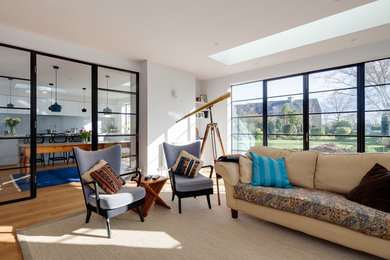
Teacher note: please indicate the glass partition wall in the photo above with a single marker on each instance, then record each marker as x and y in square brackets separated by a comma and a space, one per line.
[117, 113]
[15, 111]
[52, 103]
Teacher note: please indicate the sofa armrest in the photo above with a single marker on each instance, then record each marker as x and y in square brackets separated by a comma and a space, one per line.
[229, 171]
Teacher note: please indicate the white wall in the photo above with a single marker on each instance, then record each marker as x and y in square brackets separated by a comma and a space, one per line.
[216, 87]
[159, 111]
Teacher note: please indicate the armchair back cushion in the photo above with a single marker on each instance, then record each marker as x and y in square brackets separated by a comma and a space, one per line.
[300, 165]
[341, 173]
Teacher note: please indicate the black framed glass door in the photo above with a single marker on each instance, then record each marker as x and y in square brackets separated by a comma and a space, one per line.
[15, 131]
[43, 95]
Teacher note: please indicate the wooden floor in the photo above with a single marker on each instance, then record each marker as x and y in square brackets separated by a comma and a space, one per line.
[51, 203]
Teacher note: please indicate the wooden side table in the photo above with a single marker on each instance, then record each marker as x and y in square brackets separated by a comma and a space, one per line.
[153, 189]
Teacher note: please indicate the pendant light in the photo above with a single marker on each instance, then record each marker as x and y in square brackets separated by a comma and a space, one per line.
[107, 110]
[84, 109]
[56, 107]
[10, 105]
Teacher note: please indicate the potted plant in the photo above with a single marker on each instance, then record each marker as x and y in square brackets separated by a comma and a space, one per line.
[85, 135]
[11, 123]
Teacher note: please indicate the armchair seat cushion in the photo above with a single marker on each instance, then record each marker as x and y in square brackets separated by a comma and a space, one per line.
[184, 184]
[124, 196]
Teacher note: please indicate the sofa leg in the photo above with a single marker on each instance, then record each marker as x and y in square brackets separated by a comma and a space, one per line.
[234, 213]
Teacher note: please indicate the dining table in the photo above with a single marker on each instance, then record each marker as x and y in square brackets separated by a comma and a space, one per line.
[24, 150]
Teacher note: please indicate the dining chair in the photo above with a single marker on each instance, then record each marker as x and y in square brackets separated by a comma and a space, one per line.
[58, 138]
[184, 187]
[108, 205]
[40, 139]
[74, 138]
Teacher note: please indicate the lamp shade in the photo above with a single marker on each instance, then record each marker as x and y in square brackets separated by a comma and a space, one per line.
[55, 108]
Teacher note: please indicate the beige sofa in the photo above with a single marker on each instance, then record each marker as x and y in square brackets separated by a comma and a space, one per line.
[329, 175]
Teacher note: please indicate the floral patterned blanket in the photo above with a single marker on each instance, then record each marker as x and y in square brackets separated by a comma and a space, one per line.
[323, 205]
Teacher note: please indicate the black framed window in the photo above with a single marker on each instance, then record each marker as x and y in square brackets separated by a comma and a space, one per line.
[247, 116]
[343, 109]
[333, 110]
[377, 106]
[285, 113]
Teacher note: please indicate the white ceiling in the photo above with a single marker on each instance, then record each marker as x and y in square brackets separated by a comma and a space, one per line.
[182, 33]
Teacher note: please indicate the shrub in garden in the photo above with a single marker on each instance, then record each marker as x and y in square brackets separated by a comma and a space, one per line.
[317, 130]
[342, 131]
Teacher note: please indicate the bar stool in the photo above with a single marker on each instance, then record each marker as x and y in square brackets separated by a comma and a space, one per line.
[58, 138]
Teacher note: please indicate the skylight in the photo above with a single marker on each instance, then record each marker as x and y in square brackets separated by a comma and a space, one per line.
[350, 21]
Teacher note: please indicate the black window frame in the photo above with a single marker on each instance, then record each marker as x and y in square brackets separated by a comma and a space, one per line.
[360, 105]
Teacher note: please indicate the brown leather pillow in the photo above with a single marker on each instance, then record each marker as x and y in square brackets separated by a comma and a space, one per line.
[374, 189]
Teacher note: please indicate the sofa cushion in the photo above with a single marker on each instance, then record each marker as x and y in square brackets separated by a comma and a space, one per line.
[300, 165]
[269, 172]
[374, 189]
[341, 173]
[245, 170]
[322, 205]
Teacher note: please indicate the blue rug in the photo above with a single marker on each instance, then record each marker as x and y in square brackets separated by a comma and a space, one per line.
[50, 178]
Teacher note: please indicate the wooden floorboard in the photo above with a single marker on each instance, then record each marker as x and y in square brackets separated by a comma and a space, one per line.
[51, 203]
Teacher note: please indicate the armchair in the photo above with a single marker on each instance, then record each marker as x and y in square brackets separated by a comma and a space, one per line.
[184, 187]
[108, 205]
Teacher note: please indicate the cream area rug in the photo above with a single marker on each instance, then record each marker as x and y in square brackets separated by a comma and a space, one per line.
[197, 233]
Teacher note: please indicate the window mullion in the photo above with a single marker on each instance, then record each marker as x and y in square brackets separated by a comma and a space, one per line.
[360, 109]
[265, 113]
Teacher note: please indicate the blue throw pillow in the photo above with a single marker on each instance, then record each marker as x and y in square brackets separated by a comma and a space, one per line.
[269, 172]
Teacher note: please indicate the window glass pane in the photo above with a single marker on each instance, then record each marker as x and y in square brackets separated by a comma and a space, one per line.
[377, 98]
[285, 142]
[72, 93]
[244, 142]
[333, 101]
[291, 124]
[247, 91]
[333, 79]
[378, 144]
[114, 124]
[117, 102]
[248, 125]
[333, 144]
[14, 119]
[333, 124]
[117, 80]
[286, 86]
[377, 123]
[248, 108]
[129, 151]
[377, 72]
[285, 105]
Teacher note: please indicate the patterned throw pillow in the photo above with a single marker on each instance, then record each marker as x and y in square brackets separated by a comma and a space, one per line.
[107, 179]
[87, 175]
[269, 172]
[187, 165]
